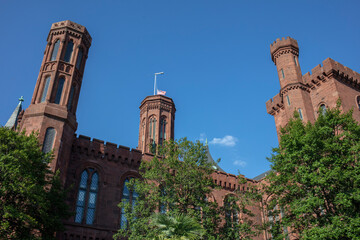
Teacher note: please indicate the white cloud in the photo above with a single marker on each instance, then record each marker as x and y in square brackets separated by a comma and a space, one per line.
[228, 141]
[239, 163]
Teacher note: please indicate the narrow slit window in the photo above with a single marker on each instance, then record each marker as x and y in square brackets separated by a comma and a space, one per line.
[300, 114]
[69, 50]
[71, 97]
[49, 140]
[45, 90]
[282, 73]
[59, 90]
[79, 59]
[288, 99]
[55, 50]
[295, 59]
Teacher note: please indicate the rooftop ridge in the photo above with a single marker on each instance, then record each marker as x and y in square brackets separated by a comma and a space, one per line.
[330, 67]
[107, 150]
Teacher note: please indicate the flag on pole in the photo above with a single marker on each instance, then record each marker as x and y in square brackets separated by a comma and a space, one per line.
[159, 92]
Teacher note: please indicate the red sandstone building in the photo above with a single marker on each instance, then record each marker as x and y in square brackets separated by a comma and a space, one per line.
[98, 170]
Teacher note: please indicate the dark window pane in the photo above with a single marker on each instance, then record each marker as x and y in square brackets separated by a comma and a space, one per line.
[71, 97]
[79, 214]
[59, 90]
[79, 59]
[90, 216]
[49, 140]
[69, 50]
[94, 182]
[46, 87]
[83, 181]
[55, 50]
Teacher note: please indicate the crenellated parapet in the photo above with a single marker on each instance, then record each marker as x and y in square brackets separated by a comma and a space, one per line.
[283, 46]
[106, 151]
[230, 181]
[274, 104]
[331, 68]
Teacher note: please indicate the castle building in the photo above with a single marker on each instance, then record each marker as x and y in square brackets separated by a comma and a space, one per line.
[98, 170]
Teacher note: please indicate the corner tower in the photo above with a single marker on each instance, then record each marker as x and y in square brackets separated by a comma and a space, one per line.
[294, 93]
[52, 111]
[157, 118]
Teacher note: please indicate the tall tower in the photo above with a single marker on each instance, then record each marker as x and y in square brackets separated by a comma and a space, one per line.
[52, 111]
[157, 117]
[294, 94]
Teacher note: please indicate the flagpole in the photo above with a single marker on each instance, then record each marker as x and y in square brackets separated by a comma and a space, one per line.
[155, 80]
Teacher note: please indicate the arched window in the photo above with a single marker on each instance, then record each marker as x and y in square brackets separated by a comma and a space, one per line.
[87, 195]
[322, 109]
[71, 97]
[45, 90]
[60, 86]
[69, 50]
[79, 58]
[152, 129]
[231, 211]
[128, 196]
[48, 140]
[55, 50]
[162, 130]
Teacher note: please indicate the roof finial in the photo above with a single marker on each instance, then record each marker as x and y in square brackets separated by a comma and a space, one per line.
[206, 142]
[21, 99]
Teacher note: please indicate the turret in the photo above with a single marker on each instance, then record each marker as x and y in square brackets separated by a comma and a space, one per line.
[52, 111]
[157, 118]
[285, 53]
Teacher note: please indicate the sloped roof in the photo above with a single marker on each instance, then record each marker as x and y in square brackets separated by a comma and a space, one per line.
[261, 176]
[12, 122]
[211, 160]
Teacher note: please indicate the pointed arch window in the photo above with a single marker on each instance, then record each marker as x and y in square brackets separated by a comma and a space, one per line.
[162, 130]
[79, 58]
[322, 109]
[87, 196]
[69, 50]
[55, 50]
[49, 140]
[231, 211]
[152, 129]
[128, 196]
[60, 86]
[45, 90]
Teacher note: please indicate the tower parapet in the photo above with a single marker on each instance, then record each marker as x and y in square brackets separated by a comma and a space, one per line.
[284, 45]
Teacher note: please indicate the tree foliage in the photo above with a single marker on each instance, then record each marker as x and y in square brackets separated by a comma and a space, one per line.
[316, 178]
[177, 183]
[32, 200]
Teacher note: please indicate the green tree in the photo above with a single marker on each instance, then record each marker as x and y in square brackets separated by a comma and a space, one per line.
[316, 179]
[178, 181]
[32, 200]
[177, 227]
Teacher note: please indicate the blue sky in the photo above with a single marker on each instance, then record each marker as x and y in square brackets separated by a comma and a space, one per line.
[215, 55]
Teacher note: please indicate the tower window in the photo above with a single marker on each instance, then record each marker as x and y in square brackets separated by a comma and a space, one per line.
[358, 102]
[152, 129]
[87, 194]
[69, 50]
[45, 90]
[300, 114]
[128, 196]
[282, 73]
[295, 60]
[288, 99]
[59, 90]
[55, 50]
[322, 109]
[71, 97]
[79, 59]
[162, 130]
[49, 140]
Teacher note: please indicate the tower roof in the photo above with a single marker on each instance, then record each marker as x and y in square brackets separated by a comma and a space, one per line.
[12, 122]
[211, 161]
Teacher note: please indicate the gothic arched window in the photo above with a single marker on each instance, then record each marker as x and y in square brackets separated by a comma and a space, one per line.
[69, 50]
[55, 50]
[322, 109]
[162, 130]
[49, 140]
[45, 90]
[60, 86]
[231, 210]
[87, 195]
[128, 196]
[79, 58]
[152, 129]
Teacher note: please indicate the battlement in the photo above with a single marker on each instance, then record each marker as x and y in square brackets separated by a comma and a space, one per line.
[230, 181]
[287, 42]
[274, 104]
[72, 26]
[107, 151]
[328, 67]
